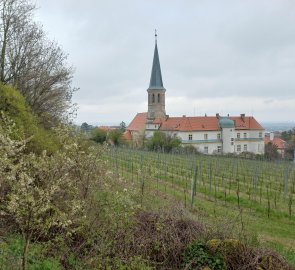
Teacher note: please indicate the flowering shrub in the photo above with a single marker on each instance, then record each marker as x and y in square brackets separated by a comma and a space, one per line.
[46, 193]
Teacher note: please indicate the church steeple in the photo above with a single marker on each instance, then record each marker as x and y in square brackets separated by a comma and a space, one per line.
[156, 81]
[156, 90]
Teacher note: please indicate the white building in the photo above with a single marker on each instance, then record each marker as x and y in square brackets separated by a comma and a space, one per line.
[209, 134]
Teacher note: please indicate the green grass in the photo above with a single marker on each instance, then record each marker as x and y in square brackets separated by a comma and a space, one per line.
[11, 251]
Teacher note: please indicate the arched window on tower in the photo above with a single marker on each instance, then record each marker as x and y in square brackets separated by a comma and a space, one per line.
[153, 98]
[159, 98]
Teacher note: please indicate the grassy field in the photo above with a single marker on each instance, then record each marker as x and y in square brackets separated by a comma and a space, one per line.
[256, 196]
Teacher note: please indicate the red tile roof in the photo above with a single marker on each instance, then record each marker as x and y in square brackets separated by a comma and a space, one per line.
[138, 122]
[281, 144]
[191, 123]
[196, 123]
[247, 122]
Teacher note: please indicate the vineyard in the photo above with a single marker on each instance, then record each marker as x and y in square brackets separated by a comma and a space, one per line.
[260, 193]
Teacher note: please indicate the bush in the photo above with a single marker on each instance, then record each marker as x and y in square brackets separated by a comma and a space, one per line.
[13, 105]
[239, 256]
[115, 136]
[161, 141]
[98, 135]
[197, 256]
[159, 238]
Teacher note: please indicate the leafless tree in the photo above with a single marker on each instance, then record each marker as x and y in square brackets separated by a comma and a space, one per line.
[31, 62]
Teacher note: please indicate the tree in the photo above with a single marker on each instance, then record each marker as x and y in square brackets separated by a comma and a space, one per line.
[271, 151]
[157, 141]
[31, 62]
[115, 136]
[162, 141]
[287, 135]
[98, 135]
[123, 126]
[86, 127]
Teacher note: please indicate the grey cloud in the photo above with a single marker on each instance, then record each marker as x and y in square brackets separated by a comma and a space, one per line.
[207, 48]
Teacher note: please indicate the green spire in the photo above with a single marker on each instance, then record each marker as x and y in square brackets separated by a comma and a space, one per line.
[156, 76]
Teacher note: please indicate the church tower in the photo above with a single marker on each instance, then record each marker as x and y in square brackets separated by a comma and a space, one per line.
[156, 90]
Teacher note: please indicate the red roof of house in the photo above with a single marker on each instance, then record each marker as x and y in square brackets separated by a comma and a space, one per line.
[191, 123]
[247, 122]
[138, 122]
[196, 123]
[281, 144]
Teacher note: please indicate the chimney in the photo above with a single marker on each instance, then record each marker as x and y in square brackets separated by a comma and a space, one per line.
[184, 115]
[243, 117]
[271, 136]
[217, 115]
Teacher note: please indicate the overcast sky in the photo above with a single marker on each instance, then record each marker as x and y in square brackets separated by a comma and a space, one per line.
[226, 56]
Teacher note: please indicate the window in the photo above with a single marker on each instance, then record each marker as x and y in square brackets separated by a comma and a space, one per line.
[238, 148]
[190, 137]
[245, 147]
[245, 135]
[205, 136]
[238, 135]
[260, 134]
[158, 98]
[153, 98]
[206, 149]
[218, 149]
[218, 136]
[232, 141]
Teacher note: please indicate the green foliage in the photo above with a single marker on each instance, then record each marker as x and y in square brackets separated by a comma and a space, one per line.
[288, 135]
[271, 151]
[13, 104]
[197, 255]
[98, 135]
[86, 127]
[133, 263]
[123, 126]
[115, 136]
[162, 141]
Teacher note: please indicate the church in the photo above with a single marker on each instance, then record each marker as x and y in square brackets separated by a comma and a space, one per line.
[208, 134]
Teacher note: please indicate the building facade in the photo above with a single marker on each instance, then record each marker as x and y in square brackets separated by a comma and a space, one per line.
[208, 134]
